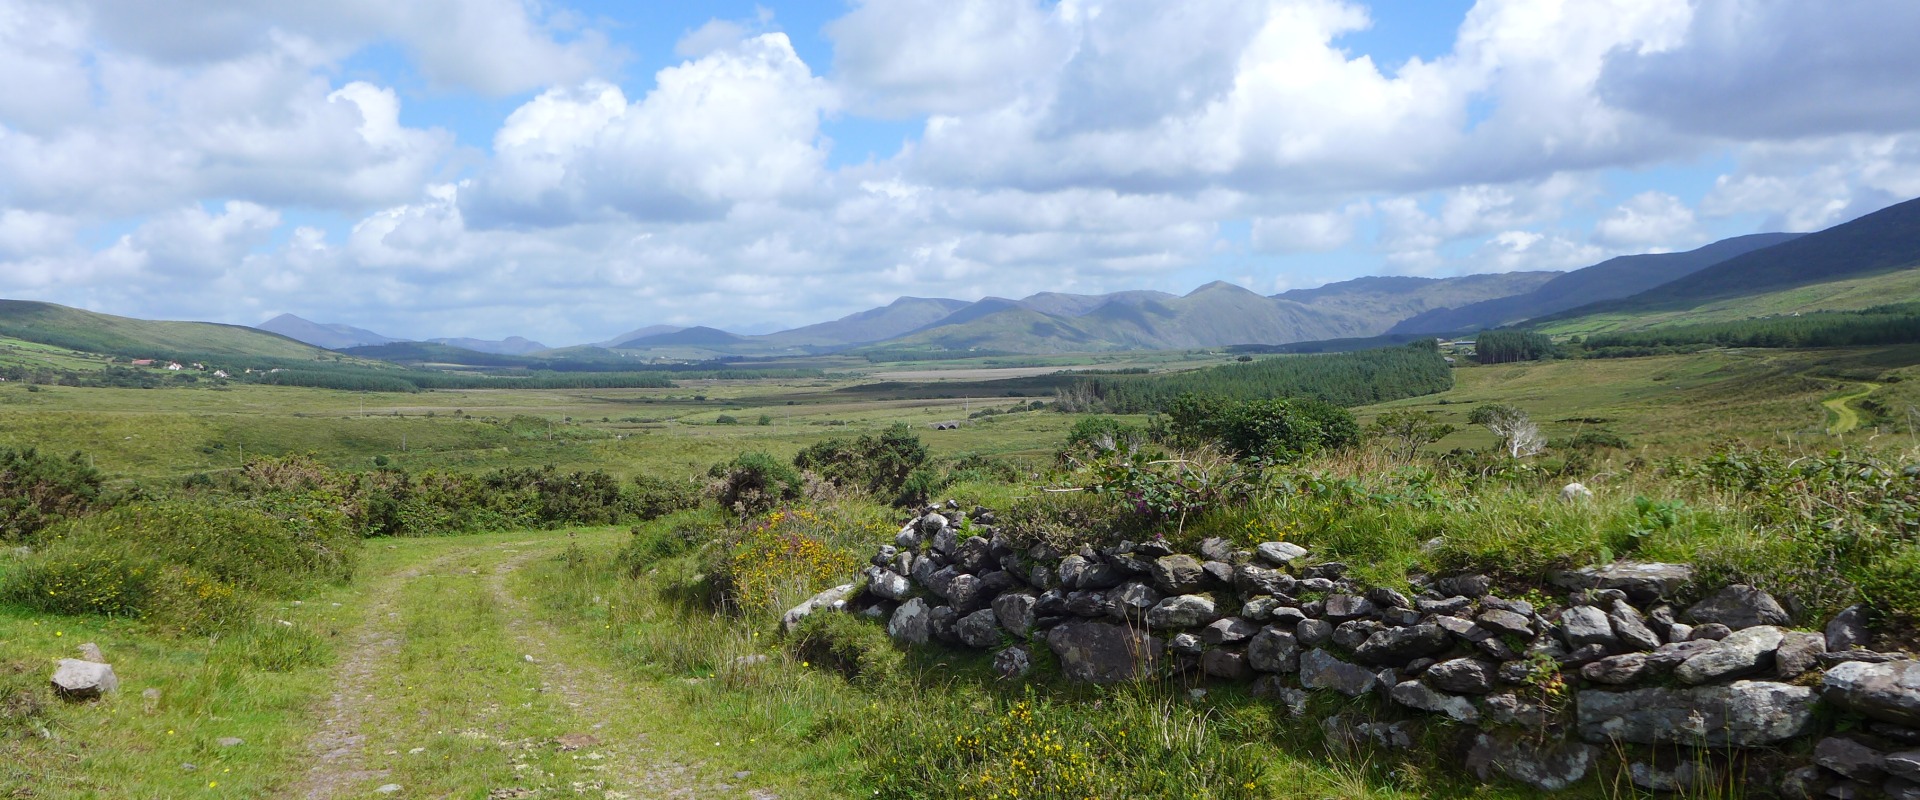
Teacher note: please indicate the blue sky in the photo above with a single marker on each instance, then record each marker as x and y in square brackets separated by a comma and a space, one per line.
[570, 170]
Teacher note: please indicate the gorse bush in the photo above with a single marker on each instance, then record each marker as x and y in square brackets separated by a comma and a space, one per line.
[37, 490]
[883, 466]
[782, 559]
[753, 483]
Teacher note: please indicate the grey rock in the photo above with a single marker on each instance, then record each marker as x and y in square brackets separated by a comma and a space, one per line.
[1805, 783]
[1462, 676]
[1384, 597]
[1259, 609]
[1274, 650]
[1399, 617]
[1318, 584]
[1686, 776]
[1849, 758]
[1088, 604]
[1509, 709]
[1344, 607]
[1616, 670]
[1070, 569]
[1352, 634]
[834, 599]
[1014, 610]
[1585, 625]
[1103, 576]
[1575, 492]
[940, 583]
[1848, 629]
[1901, 789]
[1644, 582]
[1585, 654]
[1013, 662]
[932, 523]
[1039, 577]
[91, 652]
[1895, 733]
[1469, 586]
[1547, 766]
[907, 539]
[1739, 606]
[1799, 651]
[1414, 694]
[1462, 629]
[1329, 570]
[1185, 644]
[1400, 645]
[1219, 573]
[1051, 603]
[1711, 632]
[1745, 652]
[1450, 606]
[885, 583]
[1177, 574]
[1101, 652]
[1252, 580]
[1902, 764]
[1226, 664]
[1418, 665]
[1288, 616]
[1320, 670]
[229, 741]
[1632, 628]
[1184, 611]
[911, 622]
[945, 541]
[1216, 549]
[966, 593]
[1521, 607]
[1741, 714]
[1228, 630]
[924, 569]
[1133, 600]
[1505, 622]
[1889, 692]
[387, 788]
[1496, 649]
[1679, 632]
[884, 557]
[1280, 554]
[1313, 632]
[974, 555]
[940, 621]
[902, 564]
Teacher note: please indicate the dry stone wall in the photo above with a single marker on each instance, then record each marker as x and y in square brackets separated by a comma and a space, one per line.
[1626, 661]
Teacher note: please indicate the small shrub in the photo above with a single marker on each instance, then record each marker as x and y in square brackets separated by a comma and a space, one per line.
[666, 538]
[880, 466]
[726, 419]
[754, 483]
[851, 646]
[654, 498]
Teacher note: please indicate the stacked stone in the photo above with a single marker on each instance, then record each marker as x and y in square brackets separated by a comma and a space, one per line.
[1645, 667]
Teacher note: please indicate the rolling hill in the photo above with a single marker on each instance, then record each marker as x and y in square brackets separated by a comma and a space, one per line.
[1376, 305]
[898, 317]
[1614, 278]
[125, 337]
[510, 346]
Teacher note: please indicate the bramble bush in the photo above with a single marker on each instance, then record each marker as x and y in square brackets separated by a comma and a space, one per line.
[754, 483]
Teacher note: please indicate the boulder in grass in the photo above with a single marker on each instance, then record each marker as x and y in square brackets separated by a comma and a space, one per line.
[74, 679]
[834, 599]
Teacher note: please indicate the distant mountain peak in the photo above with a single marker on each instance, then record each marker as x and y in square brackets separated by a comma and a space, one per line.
[320, 334]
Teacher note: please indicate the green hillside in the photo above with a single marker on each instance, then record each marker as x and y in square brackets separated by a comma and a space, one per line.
[1372, 306]
[1851, 294]
[74, 329]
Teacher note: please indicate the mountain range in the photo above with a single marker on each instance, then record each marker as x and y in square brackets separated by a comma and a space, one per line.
[1649, 286]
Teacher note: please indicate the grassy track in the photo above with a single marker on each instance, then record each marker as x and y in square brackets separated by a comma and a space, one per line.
[443, 681]
[1844, 417]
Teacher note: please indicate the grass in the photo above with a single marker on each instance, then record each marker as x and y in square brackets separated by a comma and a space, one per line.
[1845, 295]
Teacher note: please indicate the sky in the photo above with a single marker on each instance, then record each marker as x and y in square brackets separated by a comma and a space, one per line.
[567, 171]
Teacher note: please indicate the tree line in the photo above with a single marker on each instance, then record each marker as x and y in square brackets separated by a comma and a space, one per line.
[1342, 379]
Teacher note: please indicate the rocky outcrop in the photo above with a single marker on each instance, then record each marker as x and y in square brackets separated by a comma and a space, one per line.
[75, 679]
